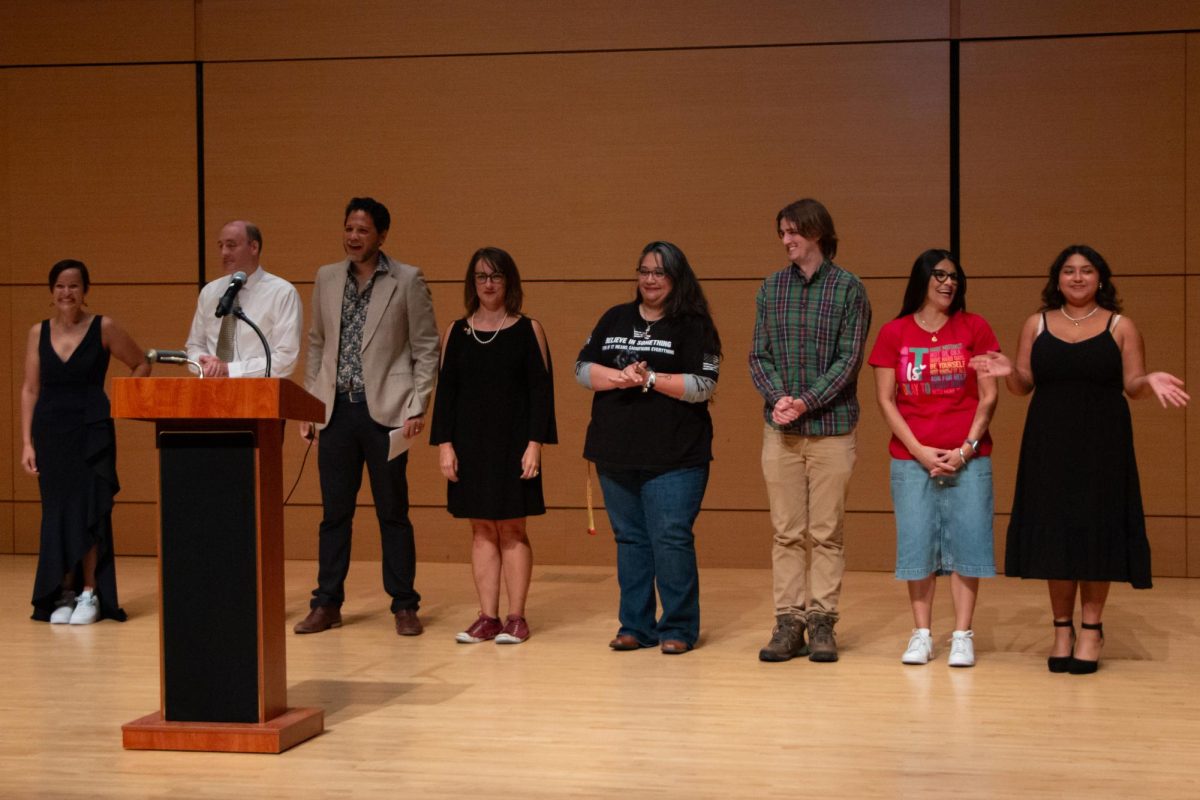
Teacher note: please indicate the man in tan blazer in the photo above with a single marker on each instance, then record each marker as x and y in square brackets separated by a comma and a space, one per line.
[372, 359]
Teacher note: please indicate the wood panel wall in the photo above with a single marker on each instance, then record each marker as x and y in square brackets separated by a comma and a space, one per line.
[572, 134]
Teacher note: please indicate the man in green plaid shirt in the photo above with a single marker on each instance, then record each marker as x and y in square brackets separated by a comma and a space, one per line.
[809, 335]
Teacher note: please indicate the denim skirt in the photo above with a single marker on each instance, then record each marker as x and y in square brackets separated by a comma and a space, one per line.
[943, 524]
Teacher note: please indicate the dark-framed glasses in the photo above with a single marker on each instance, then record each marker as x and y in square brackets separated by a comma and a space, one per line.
[941, 276]
[642, 272]
[489, 277]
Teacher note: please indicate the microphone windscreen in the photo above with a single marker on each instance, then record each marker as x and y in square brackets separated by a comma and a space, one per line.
[162, 355]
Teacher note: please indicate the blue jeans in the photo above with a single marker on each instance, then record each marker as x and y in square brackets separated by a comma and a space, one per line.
[652, 514]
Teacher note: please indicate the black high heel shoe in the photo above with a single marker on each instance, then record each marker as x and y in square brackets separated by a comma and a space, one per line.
[1080, 666]
[1063, 663]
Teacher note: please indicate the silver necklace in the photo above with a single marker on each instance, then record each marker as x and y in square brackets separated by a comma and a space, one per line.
[495, 333]
[649, 324]
[1077, 320]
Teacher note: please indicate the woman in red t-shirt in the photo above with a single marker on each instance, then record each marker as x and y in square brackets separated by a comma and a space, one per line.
[941, 471]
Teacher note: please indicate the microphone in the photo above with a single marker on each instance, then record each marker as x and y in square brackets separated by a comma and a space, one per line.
[225, 305]
[167, 356]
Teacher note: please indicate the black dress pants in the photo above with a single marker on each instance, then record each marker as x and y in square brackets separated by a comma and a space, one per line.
[350, 440]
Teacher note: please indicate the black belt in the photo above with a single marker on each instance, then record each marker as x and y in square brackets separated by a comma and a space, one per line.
[352, 397]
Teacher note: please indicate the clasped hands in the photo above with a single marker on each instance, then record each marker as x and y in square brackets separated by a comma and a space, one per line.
[943, 462]
[633, 375]
[213, 367]
[787, 410]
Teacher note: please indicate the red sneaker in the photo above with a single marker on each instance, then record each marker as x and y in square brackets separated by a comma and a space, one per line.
[482, 630]
[516, 630]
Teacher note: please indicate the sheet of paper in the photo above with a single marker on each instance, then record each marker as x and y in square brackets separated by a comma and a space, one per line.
[398, 443]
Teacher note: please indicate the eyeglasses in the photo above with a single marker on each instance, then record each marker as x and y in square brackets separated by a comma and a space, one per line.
[489, 277]
[941, 276]
[646, 273]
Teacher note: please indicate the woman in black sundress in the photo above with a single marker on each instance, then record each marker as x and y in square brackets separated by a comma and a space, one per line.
[493, 412]
[70, 447]
[1077, 517]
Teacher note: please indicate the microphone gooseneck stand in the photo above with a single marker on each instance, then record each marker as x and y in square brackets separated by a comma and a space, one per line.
[240, 314]
[174, 357]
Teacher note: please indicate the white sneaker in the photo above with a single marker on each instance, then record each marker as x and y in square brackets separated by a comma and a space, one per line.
[920, 647]
[87, 610]
[63, 608]
[962, 649]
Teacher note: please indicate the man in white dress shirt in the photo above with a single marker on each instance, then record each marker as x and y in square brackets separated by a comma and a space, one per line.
[273, 304]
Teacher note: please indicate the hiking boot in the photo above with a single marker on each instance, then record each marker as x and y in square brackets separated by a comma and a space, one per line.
[787, 639]
[821, 640]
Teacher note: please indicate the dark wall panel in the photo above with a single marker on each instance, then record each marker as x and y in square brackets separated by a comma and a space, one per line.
[262, 29]
[1073, 140]
[106, 31]
[101, 166]
[575, 161]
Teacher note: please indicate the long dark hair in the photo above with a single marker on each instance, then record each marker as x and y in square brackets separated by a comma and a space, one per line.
[1106, 294]
[500, 261]
[918, 283]
[686, 298]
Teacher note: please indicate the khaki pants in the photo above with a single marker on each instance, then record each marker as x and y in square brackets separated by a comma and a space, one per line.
[807, 479]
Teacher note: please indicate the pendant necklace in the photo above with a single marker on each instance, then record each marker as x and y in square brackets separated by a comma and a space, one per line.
[649, 324]
[932, 334]
[1077, 320]
[495, 333]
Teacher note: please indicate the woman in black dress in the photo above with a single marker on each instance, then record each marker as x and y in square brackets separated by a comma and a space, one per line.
[70, 447]
[1077, 518]
[493, 412]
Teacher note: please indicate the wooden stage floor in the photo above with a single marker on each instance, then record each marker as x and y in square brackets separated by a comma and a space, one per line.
[562, 716]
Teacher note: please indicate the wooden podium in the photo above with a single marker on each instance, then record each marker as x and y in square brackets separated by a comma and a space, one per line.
[221, 594]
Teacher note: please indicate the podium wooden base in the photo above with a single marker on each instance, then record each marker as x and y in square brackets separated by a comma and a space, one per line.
[290, 728]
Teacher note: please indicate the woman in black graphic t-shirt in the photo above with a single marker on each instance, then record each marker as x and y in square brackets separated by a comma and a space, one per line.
[653, 365]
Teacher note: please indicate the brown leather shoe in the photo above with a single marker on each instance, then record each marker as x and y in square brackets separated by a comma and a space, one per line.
[407, 623]
[627, 641]
[674, 647]
[321, 618]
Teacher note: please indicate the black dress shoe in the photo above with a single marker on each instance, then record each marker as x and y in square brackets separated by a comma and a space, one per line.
[1081, 666]
[1062, 663]
[321, 618]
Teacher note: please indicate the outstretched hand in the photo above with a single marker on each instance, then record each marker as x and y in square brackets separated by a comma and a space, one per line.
[991, 365]
[1168, 389]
